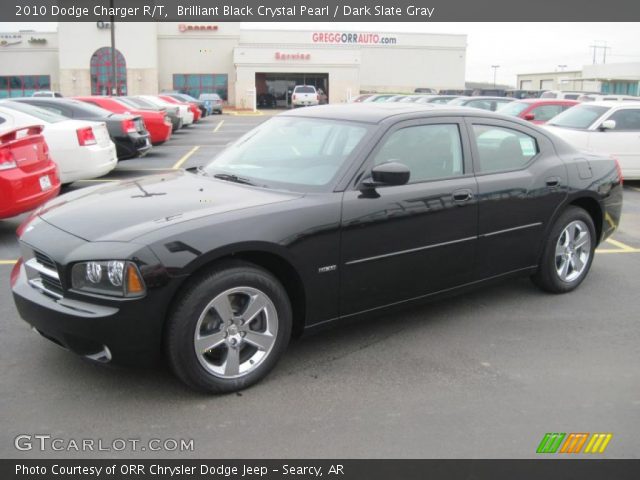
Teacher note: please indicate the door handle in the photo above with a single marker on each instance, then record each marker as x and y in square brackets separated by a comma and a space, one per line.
[553, 181]
[461, 196]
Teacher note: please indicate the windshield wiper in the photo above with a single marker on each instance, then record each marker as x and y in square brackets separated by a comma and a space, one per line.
[233, 178]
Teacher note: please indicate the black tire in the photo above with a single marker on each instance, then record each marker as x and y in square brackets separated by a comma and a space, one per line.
[547, 276]
[185, 314]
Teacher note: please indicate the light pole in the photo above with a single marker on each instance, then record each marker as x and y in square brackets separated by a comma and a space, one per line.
[495, 72]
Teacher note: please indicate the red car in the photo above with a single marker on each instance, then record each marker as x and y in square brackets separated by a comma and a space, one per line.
[158, 124]
[28, 176]
[536, 110]
[192, 106]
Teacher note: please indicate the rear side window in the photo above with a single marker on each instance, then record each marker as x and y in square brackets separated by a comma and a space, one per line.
[430, 151]
[502, 149]
[627, 119]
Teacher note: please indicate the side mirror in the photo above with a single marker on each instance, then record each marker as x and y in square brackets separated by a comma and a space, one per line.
[529, 116]
[608, 125]
[389, 173]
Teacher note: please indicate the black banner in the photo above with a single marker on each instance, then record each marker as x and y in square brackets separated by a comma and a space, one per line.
[317, 10]
[547, 469]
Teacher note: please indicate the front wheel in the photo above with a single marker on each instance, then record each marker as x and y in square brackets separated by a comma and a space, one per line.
[568, 252]
[229, 328]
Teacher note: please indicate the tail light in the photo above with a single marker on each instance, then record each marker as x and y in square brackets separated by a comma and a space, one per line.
[86, 136]
[317, 97]
[293, 97]
[7, 160]
[45, 151]
[619, 170]
[129, 126]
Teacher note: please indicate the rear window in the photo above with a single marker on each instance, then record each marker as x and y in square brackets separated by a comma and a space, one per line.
[305, 90]
[578, 117]
[39, 113]
[549, 95]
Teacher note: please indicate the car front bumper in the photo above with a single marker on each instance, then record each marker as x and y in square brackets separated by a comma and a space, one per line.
[121, 330]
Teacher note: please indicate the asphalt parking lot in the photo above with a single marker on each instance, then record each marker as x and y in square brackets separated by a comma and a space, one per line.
[485, 375]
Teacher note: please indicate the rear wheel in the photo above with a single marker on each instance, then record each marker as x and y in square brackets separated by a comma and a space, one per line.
[229, 328]
[568, 252]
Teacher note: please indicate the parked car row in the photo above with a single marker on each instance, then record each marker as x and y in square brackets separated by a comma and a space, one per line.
[47, 141]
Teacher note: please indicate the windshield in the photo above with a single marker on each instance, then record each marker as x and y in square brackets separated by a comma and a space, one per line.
[40, 113]
[291, 153]
[513, 108]
[579, 117]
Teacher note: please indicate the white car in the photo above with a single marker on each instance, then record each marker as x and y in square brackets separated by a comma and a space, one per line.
[183, 111]
[80, 148]
[605, 128]
[304, 95]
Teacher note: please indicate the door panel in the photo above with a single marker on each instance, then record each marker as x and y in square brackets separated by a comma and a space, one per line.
[401, 242]
[514, 205]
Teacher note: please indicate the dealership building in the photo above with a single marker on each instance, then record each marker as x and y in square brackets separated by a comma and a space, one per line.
[235, 62]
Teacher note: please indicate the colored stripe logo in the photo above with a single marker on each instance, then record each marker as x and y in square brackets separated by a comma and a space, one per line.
[574, 443]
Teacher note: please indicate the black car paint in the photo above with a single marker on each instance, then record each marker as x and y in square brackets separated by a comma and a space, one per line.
[340, 253]
[128, 144]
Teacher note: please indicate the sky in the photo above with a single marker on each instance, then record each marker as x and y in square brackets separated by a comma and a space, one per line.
[516, 47]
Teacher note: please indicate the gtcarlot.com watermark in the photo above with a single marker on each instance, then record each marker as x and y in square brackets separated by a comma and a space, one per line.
[47, 443]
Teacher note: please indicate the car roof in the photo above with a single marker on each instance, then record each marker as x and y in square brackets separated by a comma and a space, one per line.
[546, 100]
[615, 103]
[376, 113]
[62, 101]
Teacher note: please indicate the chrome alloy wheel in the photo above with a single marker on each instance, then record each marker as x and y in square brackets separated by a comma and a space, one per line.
[573, 250]
[236, 332]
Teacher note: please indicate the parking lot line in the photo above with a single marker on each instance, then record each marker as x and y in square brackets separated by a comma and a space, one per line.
[185, 157]
[218, 126]
[622, 247]
[7, 262]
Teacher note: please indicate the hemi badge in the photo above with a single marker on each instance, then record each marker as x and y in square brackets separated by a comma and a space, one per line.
[328, 268]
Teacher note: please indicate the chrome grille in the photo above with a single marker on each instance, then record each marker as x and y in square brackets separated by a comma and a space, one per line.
[51, 284]
[42, 273]
[44, 260]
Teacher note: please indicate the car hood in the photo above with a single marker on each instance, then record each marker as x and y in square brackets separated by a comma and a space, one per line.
[127, 209]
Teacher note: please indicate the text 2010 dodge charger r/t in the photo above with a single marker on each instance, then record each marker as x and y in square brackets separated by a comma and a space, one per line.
[314, 216]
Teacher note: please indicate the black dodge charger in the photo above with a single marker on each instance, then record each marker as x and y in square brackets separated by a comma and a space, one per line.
[128, 132]
[314, 217]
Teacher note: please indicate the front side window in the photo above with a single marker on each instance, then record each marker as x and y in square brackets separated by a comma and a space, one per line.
[627, 119]
[291, 152]
[430, 151]
[502, 149]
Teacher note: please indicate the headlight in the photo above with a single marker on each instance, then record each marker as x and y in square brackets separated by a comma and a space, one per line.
[108, 277]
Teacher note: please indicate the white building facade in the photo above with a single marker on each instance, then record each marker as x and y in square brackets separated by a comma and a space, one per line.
[223, 57]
